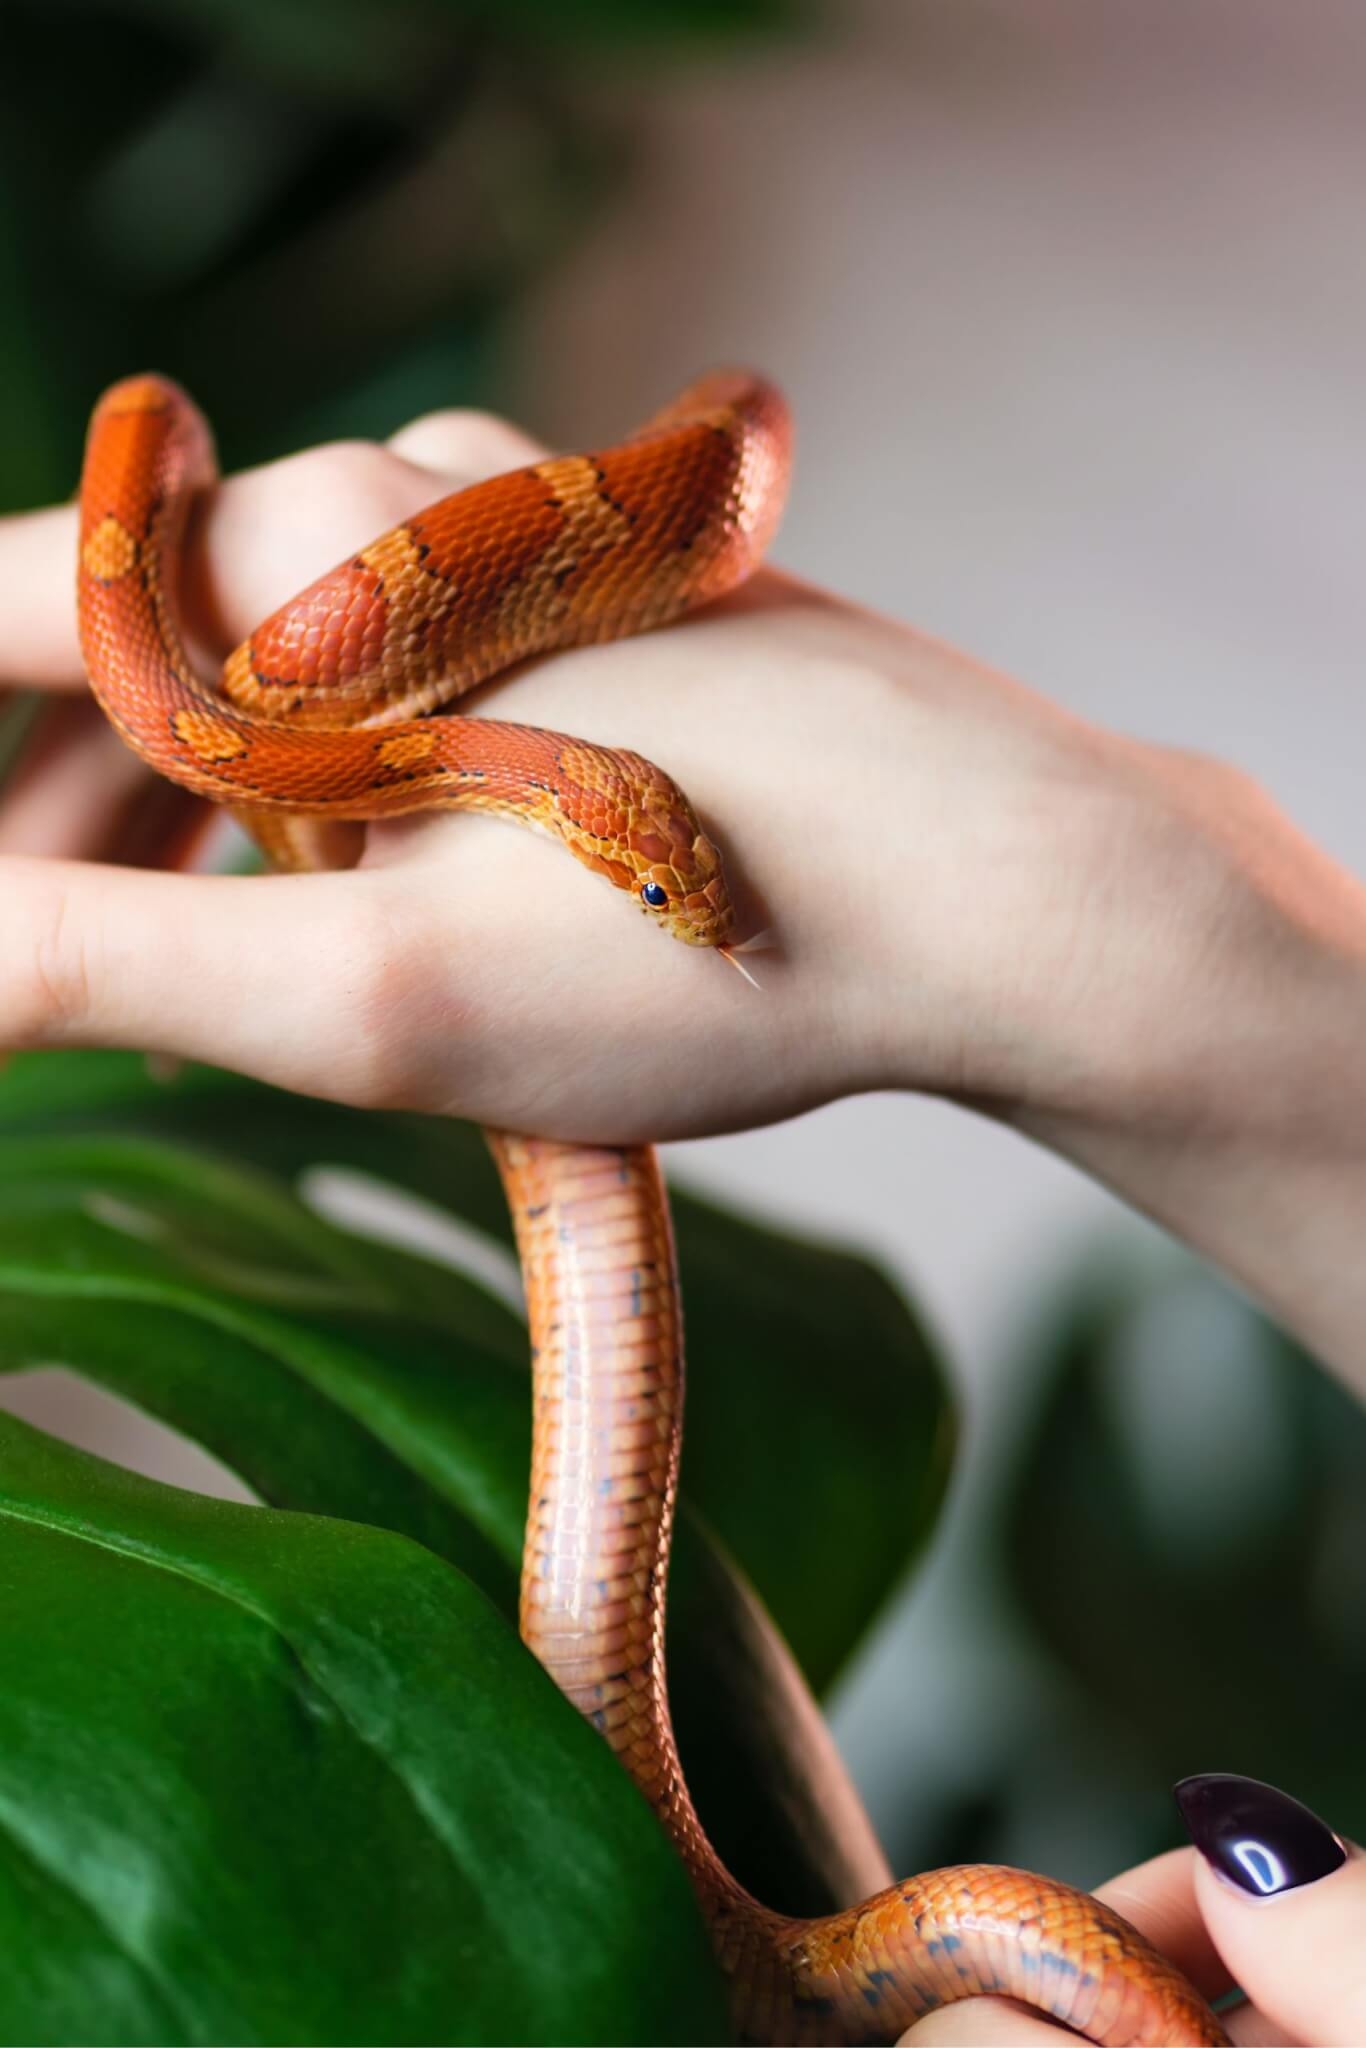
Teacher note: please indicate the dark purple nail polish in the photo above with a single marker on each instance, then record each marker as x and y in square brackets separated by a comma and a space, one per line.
[1262, 1840]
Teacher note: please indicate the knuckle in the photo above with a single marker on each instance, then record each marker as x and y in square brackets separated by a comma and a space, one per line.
[53, 995]
[471, 423]
[351, 485]
[464, 440]
[1209, 779]
[379, 1024]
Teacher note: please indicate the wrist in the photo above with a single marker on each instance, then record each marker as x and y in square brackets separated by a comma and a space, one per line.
[1131, 956]
[1218, 1084]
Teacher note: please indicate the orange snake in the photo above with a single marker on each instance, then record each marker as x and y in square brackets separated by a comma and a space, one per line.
[320, 718]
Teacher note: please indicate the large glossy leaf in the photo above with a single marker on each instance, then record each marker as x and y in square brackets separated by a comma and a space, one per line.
[266, 1777]
[292, 1351]
[1186, 1529]
[769, 1784]
[810, 1378]
[331, 1409]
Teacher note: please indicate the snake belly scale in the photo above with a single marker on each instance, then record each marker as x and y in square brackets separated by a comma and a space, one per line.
[323, 714]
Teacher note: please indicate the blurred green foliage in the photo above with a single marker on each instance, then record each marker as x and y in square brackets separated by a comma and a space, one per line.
[313, 212]
[1186, 1530]
[1173, 1553]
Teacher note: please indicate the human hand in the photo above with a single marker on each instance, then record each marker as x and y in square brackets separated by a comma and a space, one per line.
[1127, 951]
[1274, 1906]
[931, 845]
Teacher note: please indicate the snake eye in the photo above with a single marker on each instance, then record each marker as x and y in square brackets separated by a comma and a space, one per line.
[654, 895]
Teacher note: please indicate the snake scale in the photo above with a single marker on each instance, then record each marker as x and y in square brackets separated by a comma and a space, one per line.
[321, 714]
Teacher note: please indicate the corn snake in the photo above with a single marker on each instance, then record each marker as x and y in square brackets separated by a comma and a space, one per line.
[321, 718]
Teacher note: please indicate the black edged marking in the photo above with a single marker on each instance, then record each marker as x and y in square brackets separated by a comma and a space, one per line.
[621, 510]
[265, 681]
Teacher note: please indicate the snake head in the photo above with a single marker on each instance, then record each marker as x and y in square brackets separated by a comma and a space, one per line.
[631, 822]
[686, 891]
[677, 873]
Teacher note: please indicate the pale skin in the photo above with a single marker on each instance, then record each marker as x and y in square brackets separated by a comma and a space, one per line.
[1127, 952]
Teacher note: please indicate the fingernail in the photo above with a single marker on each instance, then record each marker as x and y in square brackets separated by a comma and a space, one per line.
[1261, 1840]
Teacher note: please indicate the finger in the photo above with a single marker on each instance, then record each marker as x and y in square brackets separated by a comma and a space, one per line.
[252, 542]
[1158, 1898]
[77, 793]
[462, 442]
[164, 826]
[986, 2023]
[202, 967]
[1285, 1902]
[18, 714]
[72, 780]
[1248, 2028]
[263, 535]
[38, 599]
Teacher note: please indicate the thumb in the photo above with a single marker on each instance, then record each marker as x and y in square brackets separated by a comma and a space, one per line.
[1285, 1901]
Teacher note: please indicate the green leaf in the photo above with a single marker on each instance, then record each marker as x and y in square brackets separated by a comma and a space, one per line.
[1186, 1530]
[239, 1741]
[240, 1229]
[819, 1436]
[811, 1381]
[767, 1780]
[212, 1299]
[315, 1398]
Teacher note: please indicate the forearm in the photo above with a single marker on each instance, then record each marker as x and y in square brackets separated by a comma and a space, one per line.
[1258, 1158]
[1287, 1226]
